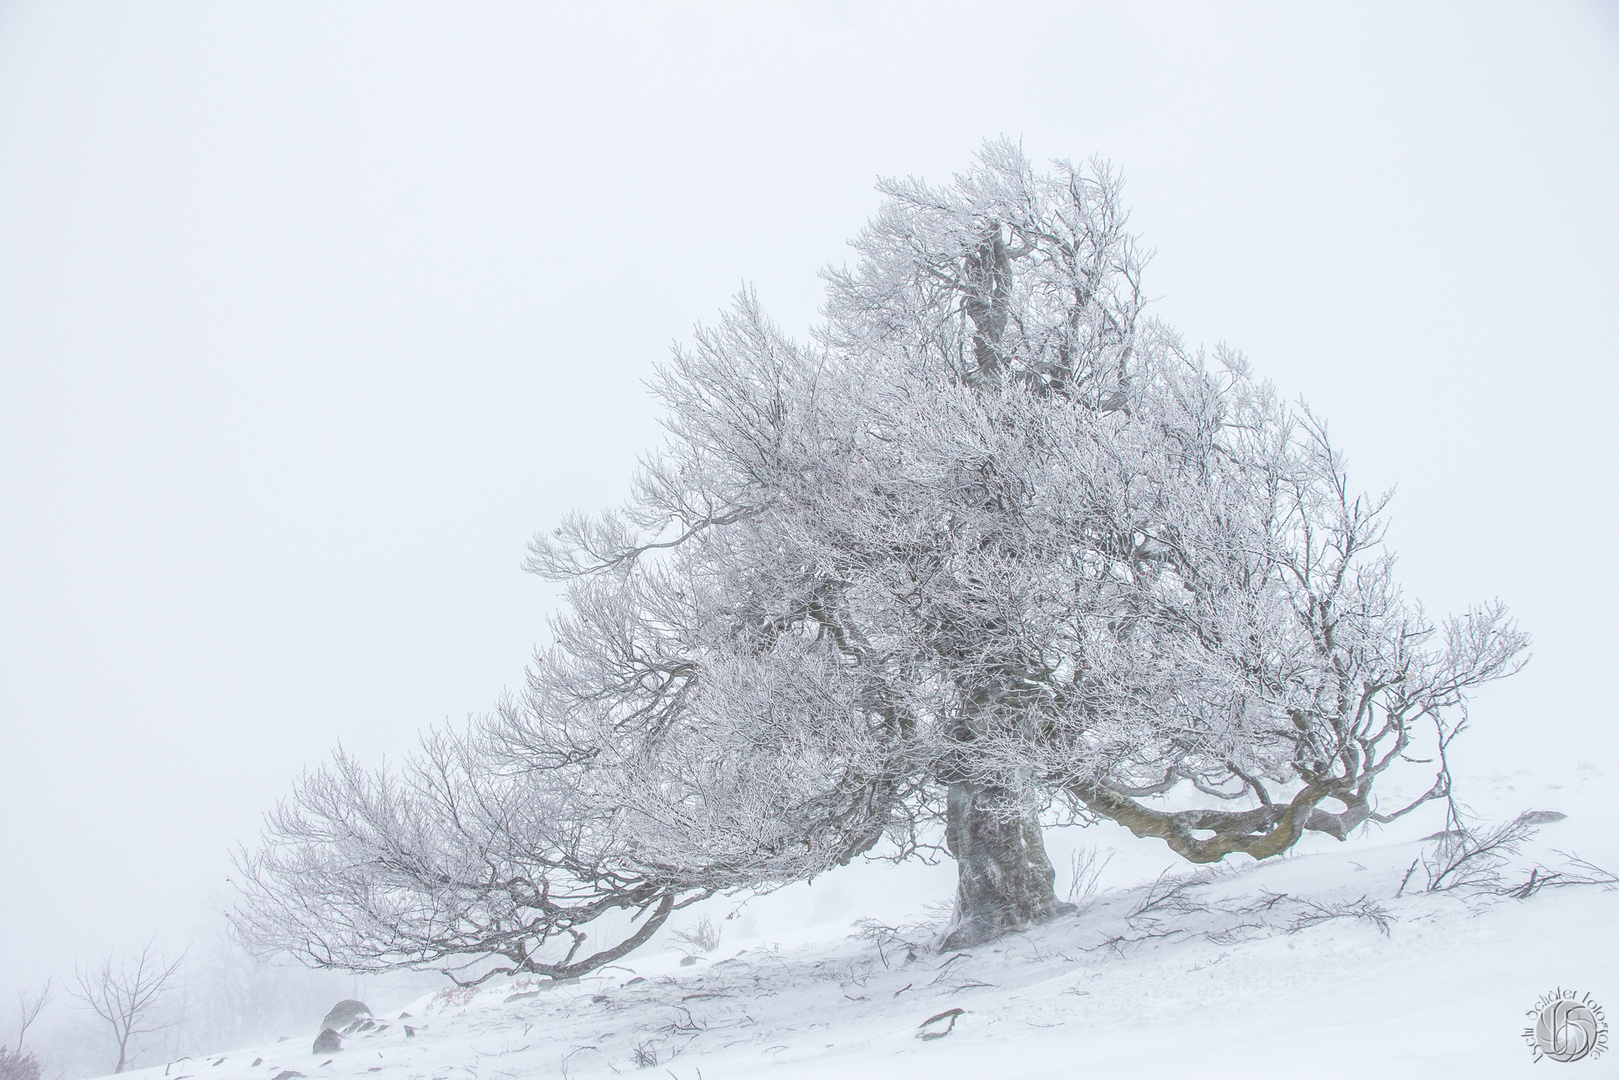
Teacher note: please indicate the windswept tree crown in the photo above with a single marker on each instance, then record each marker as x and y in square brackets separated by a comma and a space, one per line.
[992, 541]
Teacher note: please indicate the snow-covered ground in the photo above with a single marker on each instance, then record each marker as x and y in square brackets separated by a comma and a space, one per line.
[1308, 965]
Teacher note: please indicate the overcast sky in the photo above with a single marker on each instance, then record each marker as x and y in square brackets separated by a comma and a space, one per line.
[311, 314]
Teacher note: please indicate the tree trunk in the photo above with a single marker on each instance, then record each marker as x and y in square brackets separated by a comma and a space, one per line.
[1004, 879]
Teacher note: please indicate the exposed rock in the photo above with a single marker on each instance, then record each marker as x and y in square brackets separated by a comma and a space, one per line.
[1528, 817]
[521, 996]
[287, 1074]
[326, 1042]
[345, 1012]
[410, 1032]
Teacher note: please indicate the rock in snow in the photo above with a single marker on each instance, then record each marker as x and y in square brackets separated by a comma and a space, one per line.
[345, 1012]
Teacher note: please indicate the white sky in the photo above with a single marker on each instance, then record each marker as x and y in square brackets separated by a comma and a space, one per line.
[310, 314]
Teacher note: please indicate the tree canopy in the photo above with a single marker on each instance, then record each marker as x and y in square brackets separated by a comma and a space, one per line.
[993, 546]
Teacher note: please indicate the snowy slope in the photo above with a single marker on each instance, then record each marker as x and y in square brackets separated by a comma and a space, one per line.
[1230, 973]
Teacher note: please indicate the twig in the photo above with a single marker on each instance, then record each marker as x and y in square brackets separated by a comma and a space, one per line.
[948, 1014]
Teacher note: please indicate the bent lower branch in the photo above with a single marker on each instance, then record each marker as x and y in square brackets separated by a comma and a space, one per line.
[1262, 832]
[524, 964]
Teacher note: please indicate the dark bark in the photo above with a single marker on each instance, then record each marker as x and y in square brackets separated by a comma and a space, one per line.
[1262, 832]
[1004, 879]
[988, 275]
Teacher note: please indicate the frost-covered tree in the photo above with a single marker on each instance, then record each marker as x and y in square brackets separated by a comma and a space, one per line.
[452, 862]
[17, 1065]
[1063, 559]
[993, 544]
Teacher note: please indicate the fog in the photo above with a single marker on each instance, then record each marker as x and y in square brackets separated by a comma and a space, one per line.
[311, 314]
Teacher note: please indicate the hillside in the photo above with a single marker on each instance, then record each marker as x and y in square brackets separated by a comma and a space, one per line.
[1308, 964]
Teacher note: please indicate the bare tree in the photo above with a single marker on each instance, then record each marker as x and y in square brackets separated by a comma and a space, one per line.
[128, 995]
[16, 1064]
[29, 1006]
